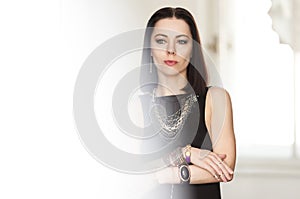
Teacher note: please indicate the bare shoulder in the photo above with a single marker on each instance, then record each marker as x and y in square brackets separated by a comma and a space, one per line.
[217, 92]
[217, 96]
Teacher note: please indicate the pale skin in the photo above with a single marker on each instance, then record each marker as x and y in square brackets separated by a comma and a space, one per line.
[172, 40]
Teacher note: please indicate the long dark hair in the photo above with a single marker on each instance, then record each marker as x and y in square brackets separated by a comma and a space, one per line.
[196, 70]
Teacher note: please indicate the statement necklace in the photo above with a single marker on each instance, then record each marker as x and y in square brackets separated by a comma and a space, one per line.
[173, 123]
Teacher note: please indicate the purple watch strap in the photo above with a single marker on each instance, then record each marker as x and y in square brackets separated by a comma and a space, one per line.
[188, 159]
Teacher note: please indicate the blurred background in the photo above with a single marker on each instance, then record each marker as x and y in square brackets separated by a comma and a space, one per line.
[255, 46]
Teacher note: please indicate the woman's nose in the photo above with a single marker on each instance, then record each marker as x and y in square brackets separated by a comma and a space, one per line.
[171, 52]
[171, 49]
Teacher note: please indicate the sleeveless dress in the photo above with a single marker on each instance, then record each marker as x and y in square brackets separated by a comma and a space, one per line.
[195, 121]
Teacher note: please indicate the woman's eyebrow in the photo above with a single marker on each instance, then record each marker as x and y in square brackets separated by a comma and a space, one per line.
[183, 35]
[160, 34]
[163, 35]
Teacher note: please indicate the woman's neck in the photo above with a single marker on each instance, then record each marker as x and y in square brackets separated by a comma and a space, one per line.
[171, 85]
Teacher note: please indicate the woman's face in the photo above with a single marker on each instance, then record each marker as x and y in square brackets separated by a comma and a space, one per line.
[171, 46]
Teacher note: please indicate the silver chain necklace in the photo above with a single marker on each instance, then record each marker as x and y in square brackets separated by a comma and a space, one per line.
[172, 124]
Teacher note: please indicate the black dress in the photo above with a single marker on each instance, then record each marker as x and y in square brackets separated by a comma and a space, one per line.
[195, 122]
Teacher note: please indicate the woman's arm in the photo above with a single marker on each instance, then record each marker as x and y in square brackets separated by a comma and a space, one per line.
[219, 121]
[221, 124]
[170, 175]
[213, 166]
[202, 173]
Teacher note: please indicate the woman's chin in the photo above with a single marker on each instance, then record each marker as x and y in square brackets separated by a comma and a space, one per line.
[170, 71]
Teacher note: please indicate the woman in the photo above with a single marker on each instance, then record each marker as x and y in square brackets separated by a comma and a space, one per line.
[176, 77]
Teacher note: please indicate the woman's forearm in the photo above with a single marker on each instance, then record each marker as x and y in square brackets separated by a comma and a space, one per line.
[170, 175]
[202, 176]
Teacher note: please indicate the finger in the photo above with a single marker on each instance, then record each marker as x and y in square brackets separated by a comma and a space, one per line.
[222, 156]
[229, 170]
[201, 159]
[224, 172]
[206, 164]
[213, 161]
[223, 178]
[217, 171]
[225, 168]
[211, 167]
[208, 168]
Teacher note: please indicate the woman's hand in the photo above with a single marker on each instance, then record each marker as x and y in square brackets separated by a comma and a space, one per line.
[212, 162]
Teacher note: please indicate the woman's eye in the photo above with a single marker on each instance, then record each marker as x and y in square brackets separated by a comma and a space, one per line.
[182, 41]
[161, 41]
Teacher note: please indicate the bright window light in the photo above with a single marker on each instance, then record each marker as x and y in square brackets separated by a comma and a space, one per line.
[264, 89]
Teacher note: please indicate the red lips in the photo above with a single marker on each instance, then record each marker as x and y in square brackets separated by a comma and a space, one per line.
[171, 62]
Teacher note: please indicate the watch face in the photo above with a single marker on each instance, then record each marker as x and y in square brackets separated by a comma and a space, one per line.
[184, 173]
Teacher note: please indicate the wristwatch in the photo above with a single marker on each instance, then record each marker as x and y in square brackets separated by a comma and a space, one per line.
[184, 173]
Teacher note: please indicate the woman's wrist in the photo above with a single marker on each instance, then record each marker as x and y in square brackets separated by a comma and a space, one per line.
[176, 178]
